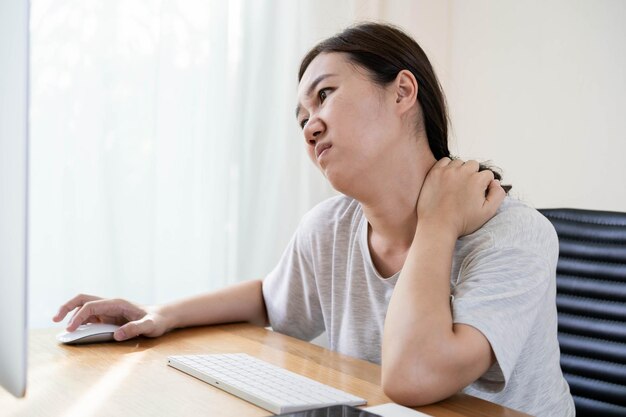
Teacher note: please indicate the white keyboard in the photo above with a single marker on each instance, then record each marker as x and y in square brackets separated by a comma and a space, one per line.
[268, 386]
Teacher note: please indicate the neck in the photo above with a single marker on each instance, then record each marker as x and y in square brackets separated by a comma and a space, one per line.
[390, 202]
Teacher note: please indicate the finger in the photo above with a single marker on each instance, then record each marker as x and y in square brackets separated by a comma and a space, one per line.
[443, 162]
[75, 302]
[95, 308]
[456, 163]
[94, 319]
[485, 178]
[495, 196]
[471, 165]
[73, 315]
[134, 329]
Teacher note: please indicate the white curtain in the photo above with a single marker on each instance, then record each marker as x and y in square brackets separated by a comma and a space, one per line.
[165, 156]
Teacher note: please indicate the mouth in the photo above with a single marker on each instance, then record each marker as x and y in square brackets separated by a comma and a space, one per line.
[321, 148]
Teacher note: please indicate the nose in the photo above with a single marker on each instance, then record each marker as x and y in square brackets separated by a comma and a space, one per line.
[313, 129]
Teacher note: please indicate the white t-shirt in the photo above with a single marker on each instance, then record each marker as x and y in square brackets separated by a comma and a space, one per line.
[503, 283]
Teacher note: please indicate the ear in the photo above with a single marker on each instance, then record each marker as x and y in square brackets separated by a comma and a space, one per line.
[406, 88]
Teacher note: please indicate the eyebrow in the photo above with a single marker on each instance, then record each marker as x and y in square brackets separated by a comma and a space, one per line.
[309, 91]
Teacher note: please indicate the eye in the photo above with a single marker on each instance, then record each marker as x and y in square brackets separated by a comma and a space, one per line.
[323, 94]
[303, 123]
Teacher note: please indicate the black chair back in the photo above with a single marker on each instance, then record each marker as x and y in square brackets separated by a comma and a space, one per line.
[591, 304]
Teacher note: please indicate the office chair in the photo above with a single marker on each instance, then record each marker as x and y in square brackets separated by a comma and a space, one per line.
[591, 305]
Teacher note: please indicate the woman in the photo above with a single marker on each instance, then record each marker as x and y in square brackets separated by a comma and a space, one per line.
[422, 264]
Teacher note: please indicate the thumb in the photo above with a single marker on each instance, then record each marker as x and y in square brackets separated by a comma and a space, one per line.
[495, 195]
[132, 329]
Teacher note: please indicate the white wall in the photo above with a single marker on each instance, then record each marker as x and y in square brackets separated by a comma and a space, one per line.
[536, 87]
[539, 87]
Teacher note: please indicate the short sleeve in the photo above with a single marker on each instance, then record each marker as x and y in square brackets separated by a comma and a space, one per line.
[502, 282]
[290, 292]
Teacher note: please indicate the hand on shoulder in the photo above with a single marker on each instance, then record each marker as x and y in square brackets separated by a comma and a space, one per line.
[456, 196]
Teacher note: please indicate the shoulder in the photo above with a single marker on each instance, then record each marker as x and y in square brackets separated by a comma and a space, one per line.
[516, 221]
[517, 225]
[329, 223]
[331, 212]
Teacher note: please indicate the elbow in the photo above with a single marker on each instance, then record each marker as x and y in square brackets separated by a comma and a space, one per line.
[411, 386]
[406, 394]
[264, 320]
[256, 313]
[401, 395]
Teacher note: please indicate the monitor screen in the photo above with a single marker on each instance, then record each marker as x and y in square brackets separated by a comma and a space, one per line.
[13, 193]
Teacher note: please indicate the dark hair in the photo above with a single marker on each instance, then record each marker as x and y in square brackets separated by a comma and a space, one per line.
[385, 50]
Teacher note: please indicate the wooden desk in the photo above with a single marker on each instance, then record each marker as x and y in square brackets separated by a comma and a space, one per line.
[132, 378]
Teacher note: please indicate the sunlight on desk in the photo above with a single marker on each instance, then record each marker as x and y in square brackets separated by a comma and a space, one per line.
[89, 403]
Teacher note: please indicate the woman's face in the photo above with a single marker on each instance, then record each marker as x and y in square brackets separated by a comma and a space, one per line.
[348, 122]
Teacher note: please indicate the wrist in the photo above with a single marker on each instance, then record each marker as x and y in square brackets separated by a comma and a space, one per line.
[167, 312]
[436, 231]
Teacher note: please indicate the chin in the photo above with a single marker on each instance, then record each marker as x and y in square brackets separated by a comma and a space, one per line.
[340, 182]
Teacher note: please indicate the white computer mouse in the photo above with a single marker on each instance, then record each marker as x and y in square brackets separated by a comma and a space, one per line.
[89, 333]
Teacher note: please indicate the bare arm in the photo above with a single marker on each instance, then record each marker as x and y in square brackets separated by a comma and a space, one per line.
[238, 303]
[425, 357]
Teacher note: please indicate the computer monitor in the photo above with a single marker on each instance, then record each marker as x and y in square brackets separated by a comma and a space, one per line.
[13, 193]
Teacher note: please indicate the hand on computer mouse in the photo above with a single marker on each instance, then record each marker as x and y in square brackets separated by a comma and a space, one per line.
[134, 320]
